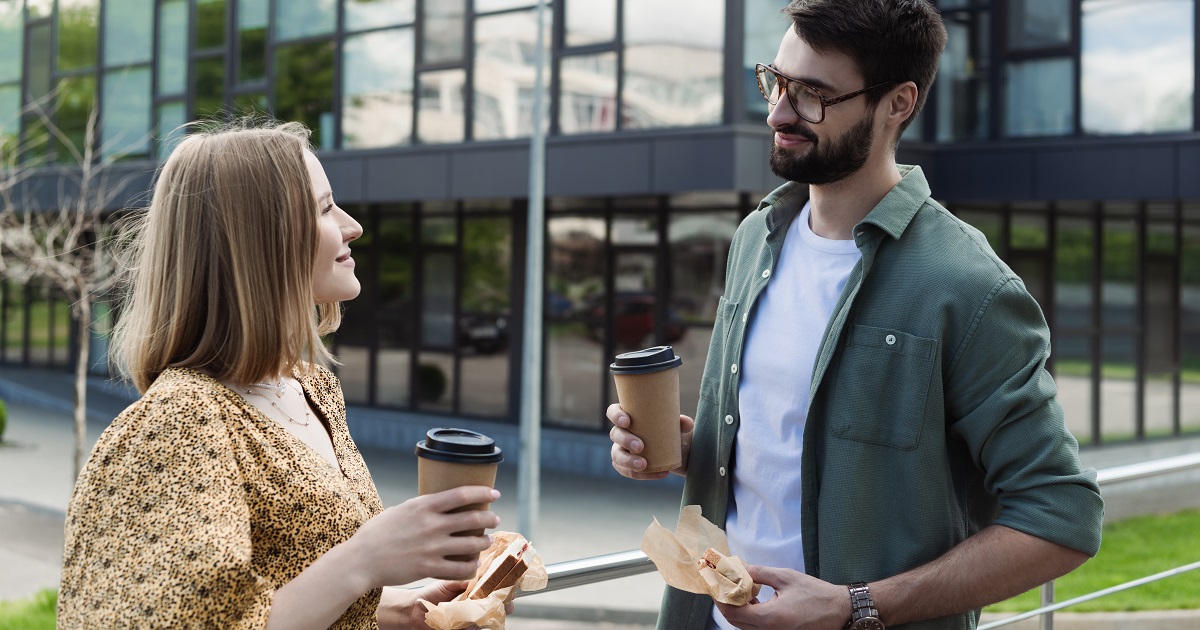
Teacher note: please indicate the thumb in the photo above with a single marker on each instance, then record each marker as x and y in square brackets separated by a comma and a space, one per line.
[770, 576]
[686, 424]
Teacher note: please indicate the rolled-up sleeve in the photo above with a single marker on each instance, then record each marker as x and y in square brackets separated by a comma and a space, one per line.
[1008, 413]
[158, 531]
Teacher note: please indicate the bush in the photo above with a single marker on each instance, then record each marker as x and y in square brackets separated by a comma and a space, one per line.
[431, 382]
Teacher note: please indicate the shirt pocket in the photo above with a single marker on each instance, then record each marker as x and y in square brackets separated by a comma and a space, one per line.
[718, 350]
[881, 386]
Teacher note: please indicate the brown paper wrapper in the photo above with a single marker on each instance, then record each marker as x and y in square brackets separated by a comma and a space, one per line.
[677, 554]
[487, 613]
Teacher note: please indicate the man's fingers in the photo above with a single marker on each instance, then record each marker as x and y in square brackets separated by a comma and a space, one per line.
[617, 416]
[686, 424]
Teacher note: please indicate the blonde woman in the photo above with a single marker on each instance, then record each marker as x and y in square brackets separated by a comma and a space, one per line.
[230, 495]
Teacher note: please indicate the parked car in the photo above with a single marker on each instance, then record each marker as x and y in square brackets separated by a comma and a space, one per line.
[486, 333]
[633, 320]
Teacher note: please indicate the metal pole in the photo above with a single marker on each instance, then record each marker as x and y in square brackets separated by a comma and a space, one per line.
[1047, 600]
[529, 464]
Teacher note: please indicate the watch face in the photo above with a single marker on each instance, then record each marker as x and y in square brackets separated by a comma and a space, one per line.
[867, 623]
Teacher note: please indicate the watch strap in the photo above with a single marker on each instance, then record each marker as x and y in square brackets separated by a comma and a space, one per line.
[861, 605]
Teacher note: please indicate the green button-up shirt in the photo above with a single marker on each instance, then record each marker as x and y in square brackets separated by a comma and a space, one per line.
[931, 411]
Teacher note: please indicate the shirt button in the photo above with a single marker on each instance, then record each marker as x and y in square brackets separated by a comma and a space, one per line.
[728, 419]
[858, 233]
[722, 471]
[890, 339]
[733, 369]
[766, 273]
[745, 316]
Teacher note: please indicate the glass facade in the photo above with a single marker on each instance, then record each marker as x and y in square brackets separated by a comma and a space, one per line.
[436, 328]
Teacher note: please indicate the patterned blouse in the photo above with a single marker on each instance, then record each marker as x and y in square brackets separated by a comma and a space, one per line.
[194, 507]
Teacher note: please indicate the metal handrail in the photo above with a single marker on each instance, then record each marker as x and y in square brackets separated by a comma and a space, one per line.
[628, 563]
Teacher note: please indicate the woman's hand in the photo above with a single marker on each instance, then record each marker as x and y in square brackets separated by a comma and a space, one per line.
[400, 610]
[410, 541]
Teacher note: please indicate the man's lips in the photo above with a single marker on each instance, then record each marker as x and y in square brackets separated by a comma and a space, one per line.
[787, 141]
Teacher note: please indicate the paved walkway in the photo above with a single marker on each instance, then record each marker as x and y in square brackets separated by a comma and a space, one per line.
[580, 516]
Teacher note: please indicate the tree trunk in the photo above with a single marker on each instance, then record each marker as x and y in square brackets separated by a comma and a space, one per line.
[84, 338]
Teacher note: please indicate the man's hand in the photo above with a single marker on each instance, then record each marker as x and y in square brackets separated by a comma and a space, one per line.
[800, 601]
[627, 446]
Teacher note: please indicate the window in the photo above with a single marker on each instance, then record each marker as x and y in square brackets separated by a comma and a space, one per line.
[252, 40]
[364, 14]
[208, 87]
[304, 18]
[128, 32]
[125, 127]
[673, 76]
[575, 312]
[1137, 65]
[1038, 23]
[440, 102]
[590, 22]
[172, 47]
[12, 30]
[587, 93]
[377, 99]
[505, 51]
[210, 23]
[74, 100]
[443, 24]
[962, 80]
[77, 22]
[304, 88]
[167, 134]
[764, 27]
[1039, 97]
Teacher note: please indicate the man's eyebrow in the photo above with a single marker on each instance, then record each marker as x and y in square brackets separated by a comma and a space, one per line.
[813, 81]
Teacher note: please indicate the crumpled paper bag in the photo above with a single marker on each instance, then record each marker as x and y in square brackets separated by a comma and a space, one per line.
[487, 613]
[677, 554]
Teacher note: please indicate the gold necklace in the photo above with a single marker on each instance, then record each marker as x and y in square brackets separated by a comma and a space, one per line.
[307, 413]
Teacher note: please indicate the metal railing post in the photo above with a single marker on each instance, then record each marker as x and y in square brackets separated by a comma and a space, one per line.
[1047, 599]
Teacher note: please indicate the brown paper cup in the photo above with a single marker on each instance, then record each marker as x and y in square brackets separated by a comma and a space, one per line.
[436, 474]
[652, 402]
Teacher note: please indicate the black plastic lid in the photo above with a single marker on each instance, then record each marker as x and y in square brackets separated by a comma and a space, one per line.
[646, 361]
[459, 446]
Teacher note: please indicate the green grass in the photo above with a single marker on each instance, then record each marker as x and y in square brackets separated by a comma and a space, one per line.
[1132, 549]
[31, 614]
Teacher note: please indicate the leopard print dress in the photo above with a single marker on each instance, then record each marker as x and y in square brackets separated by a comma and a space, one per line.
[194, 507]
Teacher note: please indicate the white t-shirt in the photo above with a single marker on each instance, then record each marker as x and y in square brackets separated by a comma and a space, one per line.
[781, 345]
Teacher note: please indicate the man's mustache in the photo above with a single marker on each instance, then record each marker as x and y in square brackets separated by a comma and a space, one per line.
[797, 130]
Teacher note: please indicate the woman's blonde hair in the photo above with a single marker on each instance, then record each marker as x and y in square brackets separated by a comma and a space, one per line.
[221, 264]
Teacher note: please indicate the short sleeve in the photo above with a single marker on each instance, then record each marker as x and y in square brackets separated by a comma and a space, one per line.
[158, 530]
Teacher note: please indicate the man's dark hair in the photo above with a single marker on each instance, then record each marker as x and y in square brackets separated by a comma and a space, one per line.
[891, 41]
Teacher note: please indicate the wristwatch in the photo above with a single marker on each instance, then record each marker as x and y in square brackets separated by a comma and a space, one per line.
[863, 615]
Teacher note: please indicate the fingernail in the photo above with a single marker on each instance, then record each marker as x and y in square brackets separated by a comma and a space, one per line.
[624, 421]
[639, 464]
[495, 494]
[636, 445]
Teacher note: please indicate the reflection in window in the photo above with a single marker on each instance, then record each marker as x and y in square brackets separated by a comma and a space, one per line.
[10, 114]
[172, 48]
[303, 18]
[353, 339]
[638, 229]
[1073, 255]
[39, 8]
[208, 87]
[435, 381]
[1038, 97]
[1038, 23]
[444, 22]
[699, 244]
[438, 280]
[1122, 41]
[588, 93]
[128, 31]
[486, 317]
[764, 26]
[575, 316]
[377, 96]
[673, 77]
[77, 22]
[171, 116]
[125, 126]
[210, 23]
[590, 21]
[440, 110]
[962, 80]
[505, 49]
[1189, 404]
[252, 40]
[1120, 265]
[394, 306]
[74, 100]
[304, 88]
[364, 14]
[250, 104]
[12, 32]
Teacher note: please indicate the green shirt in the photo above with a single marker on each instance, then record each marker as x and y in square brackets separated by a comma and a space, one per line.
[931, 411]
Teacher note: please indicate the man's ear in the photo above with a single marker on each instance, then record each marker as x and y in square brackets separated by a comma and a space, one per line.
[900, 102]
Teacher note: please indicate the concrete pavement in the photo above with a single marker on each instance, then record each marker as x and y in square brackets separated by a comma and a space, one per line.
[580, 516]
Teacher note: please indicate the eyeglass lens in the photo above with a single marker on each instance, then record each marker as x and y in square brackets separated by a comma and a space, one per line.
[806, 101]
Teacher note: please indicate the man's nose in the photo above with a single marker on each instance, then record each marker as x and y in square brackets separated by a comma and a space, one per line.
[782, 114]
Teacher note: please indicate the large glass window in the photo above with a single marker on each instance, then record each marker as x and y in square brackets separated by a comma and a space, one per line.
[962, 81]
[377, 99]
[394, 306]
[764, 27]
[587, 93]
[1138, 66]
[305, 18]
[210, 23]
[169, 119]
[364, 14]
[10, 114]
[125, 127]
[1118, 317]
[1074, 253]
[673, 76]
[74, 100]
[1189, 314]
[353, 338]
[440, 106]
[1039, 23]
[575, 314]
[304, 88]
[252, 40]
[590, 21]
[505, 49]
[1039, 97]
[444, 23]
[486, 315]
[172, 48]
[208, 87]
[12, 30]
[77, 22]
[1160, 312]
[128, 31]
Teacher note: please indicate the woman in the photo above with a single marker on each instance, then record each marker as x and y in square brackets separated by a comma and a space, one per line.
[231, 495]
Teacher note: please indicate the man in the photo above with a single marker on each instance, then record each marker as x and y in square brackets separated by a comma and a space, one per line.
[876, 429]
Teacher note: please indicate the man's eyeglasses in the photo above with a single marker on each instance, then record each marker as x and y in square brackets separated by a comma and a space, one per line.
[806, 100]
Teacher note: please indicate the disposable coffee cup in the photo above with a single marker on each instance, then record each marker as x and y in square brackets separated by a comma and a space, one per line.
[448, 458]
[648, 390]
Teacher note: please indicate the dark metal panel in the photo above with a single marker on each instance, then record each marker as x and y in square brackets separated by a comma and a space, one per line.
[1132, 172]
[1188, 173]
[407, 177]
[347, 177]
[693, 163]
[751, 162]
[983, 175]
[602, 168]
[490, 172]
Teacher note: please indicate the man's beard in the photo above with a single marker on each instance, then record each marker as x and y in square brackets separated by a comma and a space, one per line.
[819, 165]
